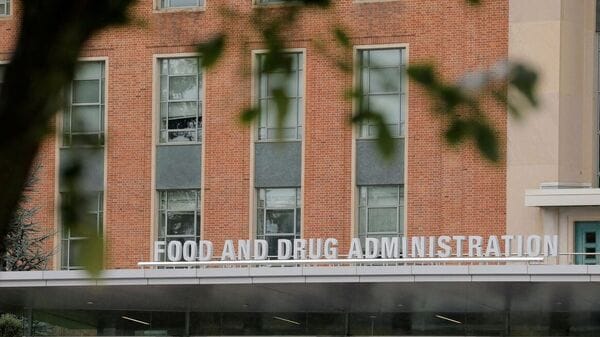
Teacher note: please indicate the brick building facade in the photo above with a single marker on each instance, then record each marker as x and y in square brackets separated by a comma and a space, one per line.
[446, 190]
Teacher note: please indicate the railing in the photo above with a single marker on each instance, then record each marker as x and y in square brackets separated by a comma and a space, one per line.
[344, 262]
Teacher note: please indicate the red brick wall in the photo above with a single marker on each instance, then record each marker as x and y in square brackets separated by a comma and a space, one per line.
[448, 191]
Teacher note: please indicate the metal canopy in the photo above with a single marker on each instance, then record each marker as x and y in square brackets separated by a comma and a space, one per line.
[493, 288]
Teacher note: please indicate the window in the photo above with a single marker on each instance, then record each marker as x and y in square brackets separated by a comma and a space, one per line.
[180, 3]
[83, 119]
[179, 216]
[180, 100]
[278, 215]
[292, 85]
[381, 211]
[383, 89]
[74, 239]
[4, 7]
[587, 242]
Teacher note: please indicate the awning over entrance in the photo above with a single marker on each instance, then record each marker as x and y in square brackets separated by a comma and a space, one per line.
[413, 300]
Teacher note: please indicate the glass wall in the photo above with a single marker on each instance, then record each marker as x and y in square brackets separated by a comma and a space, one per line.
[492, 323]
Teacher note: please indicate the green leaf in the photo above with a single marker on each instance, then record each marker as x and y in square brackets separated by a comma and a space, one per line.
[525, 81]
[281, 101]
[342, 37]
[93, 255]
[486, 140]
[422, 74]
[249, 114]
[211, 50]
[456, 132]
[385, 142]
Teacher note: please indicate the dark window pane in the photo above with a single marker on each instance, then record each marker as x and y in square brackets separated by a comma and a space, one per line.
[180, 223]
[280, 221]
[590, 237]
[87, 91]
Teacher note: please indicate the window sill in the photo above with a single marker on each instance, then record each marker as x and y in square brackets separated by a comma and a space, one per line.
[275, 5]
[372, 1]
[179, 144]
[375, 138]
[5, 17]
[179, 10]
[279, 141]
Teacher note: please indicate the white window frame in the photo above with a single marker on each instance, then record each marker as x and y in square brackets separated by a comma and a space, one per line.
[261, 211]
[8, 8]
[65, 234]
[158, 8]
[103, 94]
[403, 93]
[164, 212]
[301, 85]
[400, 209]
[200, 101]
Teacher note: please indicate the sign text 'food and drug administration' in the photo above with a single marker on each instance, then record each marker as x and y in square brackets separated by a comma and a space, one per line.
[387, 248]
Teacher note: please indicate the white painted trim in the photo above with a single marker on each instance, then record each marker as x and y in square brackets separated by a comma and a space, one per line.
[154, 200]
[254, 137]
[156, 9]
[355, 130]
[562, 197]
[57, 259]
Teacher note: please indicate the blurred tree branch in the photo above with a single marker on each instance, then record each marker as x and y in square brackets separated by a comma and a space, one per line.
[52, 34]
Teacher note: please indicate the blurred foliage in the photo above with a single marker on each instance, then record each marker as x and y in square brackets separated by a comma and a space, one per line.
[60, 28]
[57, 30]
[10, 326]
[458, 104]
[24, 241]
[461, 105]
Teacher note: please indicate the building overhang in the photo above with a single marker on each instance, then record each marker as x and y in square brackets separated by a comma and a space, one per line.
[562, 197]
[417, 288]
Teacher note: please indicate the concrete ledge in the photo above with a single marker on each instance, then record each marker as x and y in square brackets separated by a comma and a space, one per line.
[312, 274]
[562, 197]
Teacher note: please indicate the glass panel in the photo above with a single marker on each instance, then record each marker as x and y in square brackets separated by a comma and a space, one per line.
[161, 225]
[363, 196]
[87, 91]
[590, 237]
[64, 261]
[290, 120]
[384, 80]
[182, 200]
[183, 109]
[260, 220]
[383, 196]
[284, 81]
[180, 223]
[3, 9]
[281, 197]
[383, 220]
[2, 70]
[88, 71]
[183, 66]
[86, 119]
[164, 88]
[183, 3]
[182, 136]
[76, 249]
[279, 221]
[183, 88]
[384, 57]
[362, 220]
[93, 139]
[387, 105]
